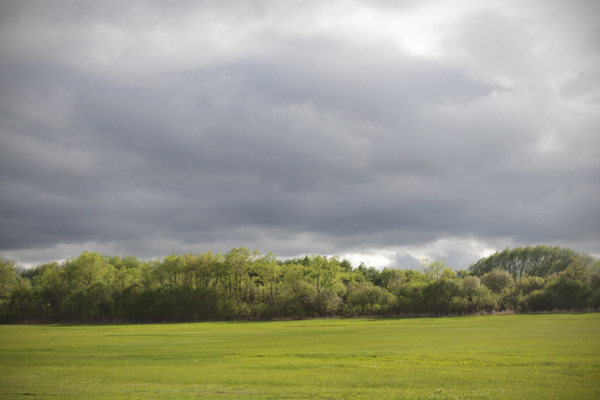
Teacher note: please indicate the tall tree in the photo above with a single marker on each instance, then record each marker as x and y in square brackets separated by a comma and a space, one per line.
[531, 261]
[8, 276]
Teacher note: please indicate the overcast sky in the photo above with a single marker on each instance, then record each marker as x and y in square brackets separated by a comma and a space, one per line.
[381, 131]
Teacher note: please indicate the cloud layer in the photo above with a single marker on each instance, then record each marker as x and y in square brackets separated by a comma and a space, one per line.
[373, 130]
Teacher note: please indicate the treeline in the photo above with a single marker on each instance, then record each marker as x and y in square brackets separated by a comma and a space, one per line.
[248, 285]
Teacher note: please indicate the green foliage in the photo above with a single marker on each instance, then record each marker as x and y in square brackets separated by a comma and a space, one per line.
[531, 261]
[528, 284]
[367, 299]
[86, 270]
[435, 270]
[8, 277]
[370, 274]
[242, 284]
[498, 281]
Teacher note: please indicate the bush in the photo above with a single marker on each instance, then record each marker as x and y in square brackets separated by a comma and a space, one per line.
[568, 294]
[528, 284]
[538, 300]
[483, 300]
[498, 281]
[367, 299]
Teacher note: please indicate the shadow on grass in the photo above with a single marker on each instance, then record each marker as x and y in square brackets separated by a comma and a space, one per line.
[271, 321]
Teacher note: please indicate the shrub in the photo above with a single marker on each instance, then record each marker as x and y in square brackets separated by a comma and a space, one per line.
[498, 280]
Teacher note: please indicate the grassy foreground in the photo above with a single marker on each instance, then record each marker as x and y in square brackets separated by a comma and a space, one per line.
[551, 356]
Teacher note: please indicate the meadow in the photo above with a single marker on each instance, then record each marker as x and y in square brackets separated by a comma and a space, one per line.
[547, 356]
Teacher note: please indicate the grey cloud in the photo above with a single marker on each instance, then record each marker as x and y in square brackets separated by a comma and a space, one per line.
[310, 143]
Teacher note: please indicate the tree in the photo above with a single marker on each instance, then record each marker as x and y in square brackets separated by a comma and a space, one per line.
[235, 271]
[202, 270]
[371, 274]
[502, 285]
[126, 274]
[298, 296]
[170, 271]
[324, 276]
[85, 270]
[568, 288]
[365, 299]
[528, 284]
[438, 295]
[8, 276]
[126, 279]
[346, 265]
[532, 261]
[435, 270]
[498, 280]
[269, 273]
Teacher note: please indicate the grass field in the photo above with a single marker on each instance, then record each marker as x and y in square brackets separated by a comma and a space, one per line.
[553, 356]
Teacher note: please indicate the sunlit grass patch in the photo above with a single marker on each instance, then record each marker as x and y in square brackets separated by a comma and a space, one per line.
[488, 357]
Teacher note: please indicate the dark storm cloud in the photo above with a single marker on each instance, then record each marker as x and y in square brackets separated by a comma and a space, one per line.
[144, 129]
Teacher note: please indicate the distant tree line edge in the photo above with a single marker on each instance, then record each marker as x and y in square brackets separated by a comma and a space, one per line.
[246, 285]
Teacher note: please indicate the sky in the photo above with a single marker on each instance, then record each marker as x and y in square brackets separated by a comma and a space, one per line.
[380, 131]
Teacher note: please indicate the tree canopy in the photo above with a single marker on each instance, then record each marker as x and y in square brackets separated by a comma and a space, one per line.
[244, 284]
[532, 261]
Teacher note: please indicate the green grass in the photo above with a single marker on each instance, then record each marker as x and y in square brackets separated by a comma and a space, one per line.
[551, 356]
